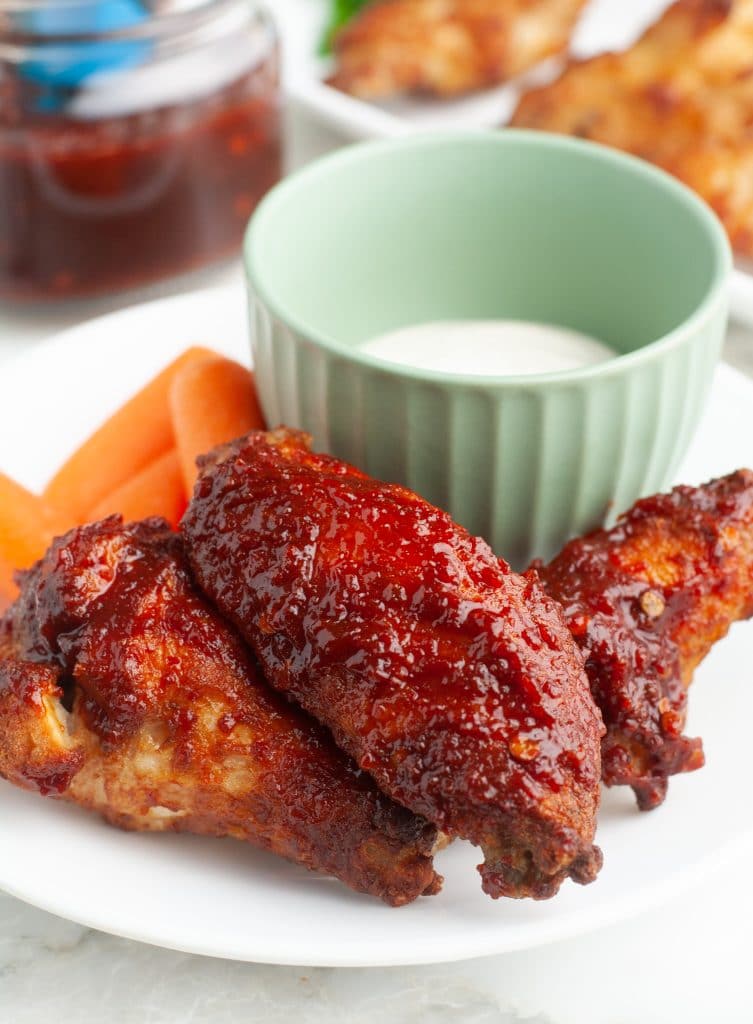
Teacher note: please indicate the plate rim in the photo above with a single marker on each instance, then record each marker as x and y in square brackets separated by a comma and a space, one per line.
[628, 907]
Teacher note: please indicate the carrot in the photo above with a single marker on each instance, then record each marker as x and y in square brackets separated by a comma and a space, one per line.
[156, 491]
[27, 525]
[212, 401]
[7, 586]
[133, 437]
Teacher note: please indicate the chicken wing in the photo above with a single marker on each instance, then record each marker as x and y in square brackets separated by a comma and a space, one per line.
[121, 690]
[681, 97]
[646, 601]
[447, 47]
[452, 680]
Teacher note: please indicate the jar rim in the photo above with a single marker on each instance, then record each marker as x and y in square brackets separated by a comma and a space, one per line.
[160, 20]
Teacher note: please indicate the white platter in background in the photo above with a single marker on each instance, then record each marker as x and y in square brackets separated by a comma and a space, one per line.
[224, 899]
[605, 25]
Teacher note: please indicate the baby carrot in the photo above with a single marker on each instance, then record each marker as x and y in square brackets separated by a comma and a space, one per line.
[212, 402]
[27, 525]
[156, 491]
[7, 586]
[132, 438]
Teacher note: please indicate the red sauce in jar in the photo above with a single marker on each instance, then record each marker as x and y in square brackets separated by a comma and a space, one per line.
[94, 206]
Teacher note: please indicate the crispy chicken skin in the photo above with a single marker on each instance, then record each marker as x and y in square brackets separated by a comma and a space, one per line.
[447, 47]
[646, 601]
[170, 726]
[682, 98]
[448, 677]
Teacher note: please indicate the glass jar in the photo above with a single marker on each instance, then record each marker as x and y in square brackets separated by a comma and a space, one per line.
[136, 138]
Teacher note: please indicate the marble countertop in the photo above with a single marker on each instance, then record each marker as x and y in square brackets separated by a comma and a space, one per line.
[688, 962]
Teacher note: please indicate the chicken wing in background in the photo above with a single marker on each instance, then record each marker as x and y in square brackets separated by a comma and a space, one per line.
[121, 690]
[681, 97]
[452, 680]
[447, 47]
[646, 601]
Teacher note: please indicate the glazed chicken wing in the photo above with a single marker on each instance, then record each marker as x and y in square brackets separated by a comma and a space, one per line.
[121, 690]
[646, 601]
[447, 47]
[682, 97]
[452, 680]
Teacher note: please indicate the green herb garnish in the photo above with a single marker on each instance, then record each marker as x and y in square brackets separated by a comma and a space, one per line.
[341, 13]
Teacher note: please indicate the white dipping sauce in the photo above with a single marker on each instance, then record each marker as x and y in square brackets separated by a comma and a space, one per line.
[489, 347]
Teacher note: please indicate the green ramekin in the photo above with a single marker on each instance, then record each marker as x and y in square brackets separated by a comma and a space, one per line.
[510, 225]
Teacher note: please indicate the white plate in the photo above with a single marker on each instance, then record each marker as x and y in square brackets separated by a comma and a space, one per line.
[224, 899]
[605, 25]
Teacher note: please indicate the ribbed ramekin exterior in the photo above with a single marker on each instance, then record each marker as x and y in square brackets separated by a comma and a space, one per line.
[525, 465]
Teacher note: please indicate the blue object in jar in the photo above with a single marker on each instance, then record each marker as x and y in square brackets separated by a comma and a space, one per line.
[67, 65]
